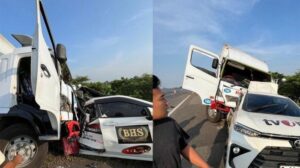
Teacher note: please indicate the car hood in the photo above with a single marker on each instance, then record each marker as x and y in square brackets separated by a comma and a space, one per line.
[270, 124]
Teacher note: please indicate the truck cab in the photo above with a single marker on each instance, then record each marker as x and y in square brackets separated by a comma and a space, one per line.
[220, 80]
[35, 98]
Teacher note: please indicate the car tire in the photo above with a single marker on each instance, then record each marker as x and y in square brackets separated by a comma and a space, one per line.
[20, 134]
[213, 115]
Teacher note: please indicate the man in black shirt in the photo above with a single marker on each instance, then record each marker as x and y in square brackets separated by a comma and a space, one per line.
[170, 140]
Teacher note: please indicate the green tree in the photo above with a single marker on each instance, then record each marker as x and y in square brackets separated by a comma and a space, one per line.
[82, 80]
[137, 86]
[291, 87]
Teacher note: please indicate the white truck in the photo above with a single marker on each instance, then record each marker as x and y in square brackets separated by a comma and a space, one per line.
[34, 99]
[221, 80]
[37, 106]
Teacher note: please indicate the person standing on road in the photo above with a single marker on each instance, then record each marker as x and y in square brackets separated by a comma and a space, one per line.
[170, 140]
[11, 164]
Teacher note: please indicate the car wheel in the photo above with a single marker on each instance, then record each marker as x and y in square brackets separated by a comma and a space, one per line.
[20, 139]
[213, 115]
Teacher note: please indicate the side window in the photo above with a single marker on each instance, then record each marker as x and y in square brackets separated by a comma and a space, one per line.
[94, 114]
[121, 109]
[203, 63]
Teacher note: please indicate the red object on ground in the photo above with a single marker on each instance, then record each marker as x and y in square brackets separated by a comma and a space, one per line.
[219, 105]
[70, 143]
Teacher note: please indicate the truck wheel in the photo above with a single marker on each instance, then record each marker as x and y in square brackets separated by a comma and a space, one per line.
[19, 138]
[213, 115]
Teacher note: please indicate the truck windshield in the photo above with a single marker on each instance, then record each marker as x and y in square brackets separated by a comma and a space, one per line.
[241, 75]
[271, 105]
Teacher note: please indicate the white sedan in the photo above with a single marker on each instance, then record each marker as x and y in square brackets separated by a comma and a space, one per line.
[264, 132]
[118, 126]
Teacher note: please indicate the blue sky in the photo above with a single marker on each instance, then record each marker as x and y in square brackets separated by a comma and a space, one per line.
[105, 40]
[268, 30]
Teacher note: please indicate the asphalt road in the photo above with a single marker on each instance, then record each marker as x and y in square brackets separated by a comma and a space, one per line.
[207, 138]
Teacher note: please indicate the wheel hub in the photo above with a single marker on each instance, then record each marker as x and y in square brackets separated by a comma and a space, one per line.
[24, 146]
[212, 113]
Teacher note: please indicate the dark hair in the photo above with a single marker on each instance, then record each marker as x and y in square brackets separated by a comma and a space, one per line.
[156, 82]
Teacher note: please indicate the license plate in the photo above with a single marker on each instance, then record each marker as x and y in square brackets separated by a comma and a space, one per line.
[287, 166]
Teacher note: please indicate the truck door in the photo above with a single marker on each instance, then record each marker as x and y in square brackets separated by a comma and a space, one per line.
[44, 77]
[126, 130]
[199, 75]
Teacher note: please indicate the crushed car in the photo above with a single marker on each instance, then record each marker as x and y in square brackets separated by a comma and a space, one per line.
[221, 80]
[118, 126]
[264, 130]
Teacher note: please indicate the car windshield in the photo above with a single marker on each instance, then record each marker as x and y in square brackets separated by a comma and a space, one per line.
[271, 105]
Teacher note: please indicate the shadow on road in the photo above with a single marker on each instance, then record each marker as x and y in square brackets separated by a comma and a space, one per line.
[186, 122]
[218, 149]
[195, 130]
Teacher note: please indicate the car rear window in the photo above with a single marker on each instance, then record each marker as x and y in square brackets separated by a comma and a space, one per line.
[121, 109]
[271, 105]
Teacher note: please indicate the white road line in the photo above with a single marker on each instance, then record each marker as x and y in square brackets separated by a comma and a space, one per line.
[171, 112]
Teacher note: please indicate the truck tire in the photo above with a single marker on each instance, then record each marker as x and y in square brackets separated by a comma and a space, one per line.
[19, 138]
[213, 115]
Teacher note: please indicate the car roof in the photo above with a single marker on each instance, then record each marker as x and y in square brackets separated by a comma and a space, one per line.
[118, 98]
[266, 94]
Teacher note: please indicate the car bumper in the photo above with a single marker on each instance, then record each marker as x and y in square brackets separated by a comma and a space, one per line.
[260, 152]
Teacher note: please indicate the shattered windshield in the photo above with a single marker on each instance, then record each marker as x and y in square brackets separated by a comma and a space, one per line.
[270, 105]
[241, 75]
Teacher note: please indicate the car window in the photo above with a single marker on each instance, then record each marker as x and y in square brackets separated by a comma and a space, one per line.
[203, 63]
[271, 105]
[121, 109]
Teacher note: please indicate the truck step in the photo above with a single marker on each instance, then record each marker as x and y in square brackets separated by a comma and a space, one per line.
[48, 138]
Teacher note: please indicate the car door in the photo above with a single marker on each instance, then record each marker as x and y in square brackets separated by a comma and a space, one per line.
[44, 77]
[127, 133]
[199, 75]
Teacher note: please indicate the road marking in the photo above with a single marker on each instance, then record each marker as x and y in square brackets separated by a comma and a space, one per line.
[171, 112]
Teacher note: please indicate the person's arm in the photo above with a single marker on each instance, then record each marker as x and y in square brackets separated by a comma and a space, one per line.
[190, 154]
[15, 162]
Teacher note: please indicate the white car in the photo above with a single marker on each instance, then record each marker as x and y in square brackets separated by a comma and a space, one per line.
[118, 126]
[264, 132]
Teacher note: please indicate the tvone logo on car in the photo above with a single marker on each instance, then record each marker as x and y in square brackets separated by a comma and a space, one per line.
[280, 122]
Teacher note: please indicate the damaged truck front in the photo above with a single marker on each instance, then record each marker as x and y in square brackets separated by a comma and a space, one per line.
[34, 99]
[220, 81]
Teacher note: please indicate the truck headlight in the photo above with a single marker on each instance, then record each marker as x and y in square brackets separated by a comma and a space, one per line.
[246, 130]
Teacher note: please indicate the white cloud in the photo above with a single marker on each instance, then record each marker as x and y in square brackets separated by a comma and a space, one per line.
[235, 7]
[202, 16]
[97, 42]
[280, 57]
[141, 14]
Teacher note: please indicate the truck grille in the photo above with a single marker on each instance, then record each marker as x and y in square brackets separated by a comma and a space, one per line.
[273, 157]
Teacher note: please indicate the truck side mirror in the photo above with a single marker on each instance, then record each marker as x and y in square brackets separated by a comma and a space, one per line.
[61, 53]
[215, 63]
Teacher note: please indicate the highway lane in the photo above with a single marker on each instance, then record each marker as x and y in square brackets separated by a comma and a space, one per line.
[207, 138]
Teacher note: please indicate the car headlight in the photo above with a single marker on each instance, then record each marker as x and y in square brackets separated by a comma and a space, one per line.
[246, 130]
